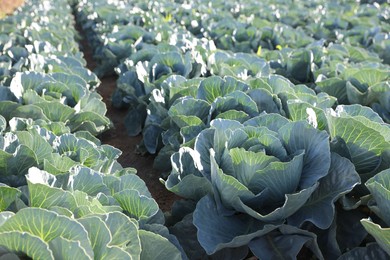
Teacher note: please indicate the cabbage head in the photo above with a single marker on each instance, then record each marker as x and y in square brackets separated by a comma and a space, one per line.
[260, 183]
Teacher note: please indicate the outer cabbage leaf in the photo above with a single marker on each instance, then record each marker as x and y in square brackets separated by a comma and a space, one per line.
[373, 250]
[163, 231]
[47, 226]
[7, 196]
[14, 166]
[272, 121]
[299, 110]
[381, 235]
[236, 100]
[379, 186]
[366, 141]
[186, 179]
[218, 228]
[126, 181]
[320, 209]
[189, 107]
[23, 81]
[316, 147]
[4, 216]
[124, 232]
[7, 108]
[31, 245]
[86, 180]
[286, 242]
[138, 206]
[67, 249]
[100, 237]
[335, 87]
[55, 111]
[155, 246]
[214, 87]
[43, 193]
[35, 142]
[265, 101]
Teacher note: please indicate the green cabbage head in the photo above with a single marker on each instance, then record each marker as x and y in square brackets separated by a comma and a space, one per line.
[267, 176]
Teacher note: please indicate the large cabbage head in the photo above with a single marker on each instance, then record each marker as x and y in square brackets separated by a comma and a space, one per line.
[258, 176]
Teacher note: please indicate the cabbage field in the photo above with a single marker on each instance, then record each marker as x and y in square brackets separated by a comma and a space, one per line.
[268, 120]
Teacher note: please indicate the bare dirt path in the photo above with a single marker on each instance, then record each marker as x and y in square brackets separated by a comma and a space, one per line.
[118, 138]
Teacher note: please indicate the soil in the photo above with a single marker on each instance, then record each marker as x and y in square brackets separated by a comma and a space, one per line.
[118, 138]
[8, 6]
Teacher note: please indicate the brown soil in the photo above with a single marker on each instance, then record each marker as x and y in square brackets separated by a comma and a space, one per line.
[118, 138]
[8, 6]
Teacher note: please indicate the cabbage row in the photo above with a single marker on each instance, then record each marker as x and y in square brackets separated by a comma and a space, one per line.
[63, 195]
[308, 43]
[115, 29]
[43, 79]
[157, 47]
[244, 26]
[267, 166]
[274, 118]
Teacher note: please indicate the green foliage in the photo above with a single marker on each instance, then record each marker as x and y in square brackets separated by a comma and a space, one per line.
[270, 117]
